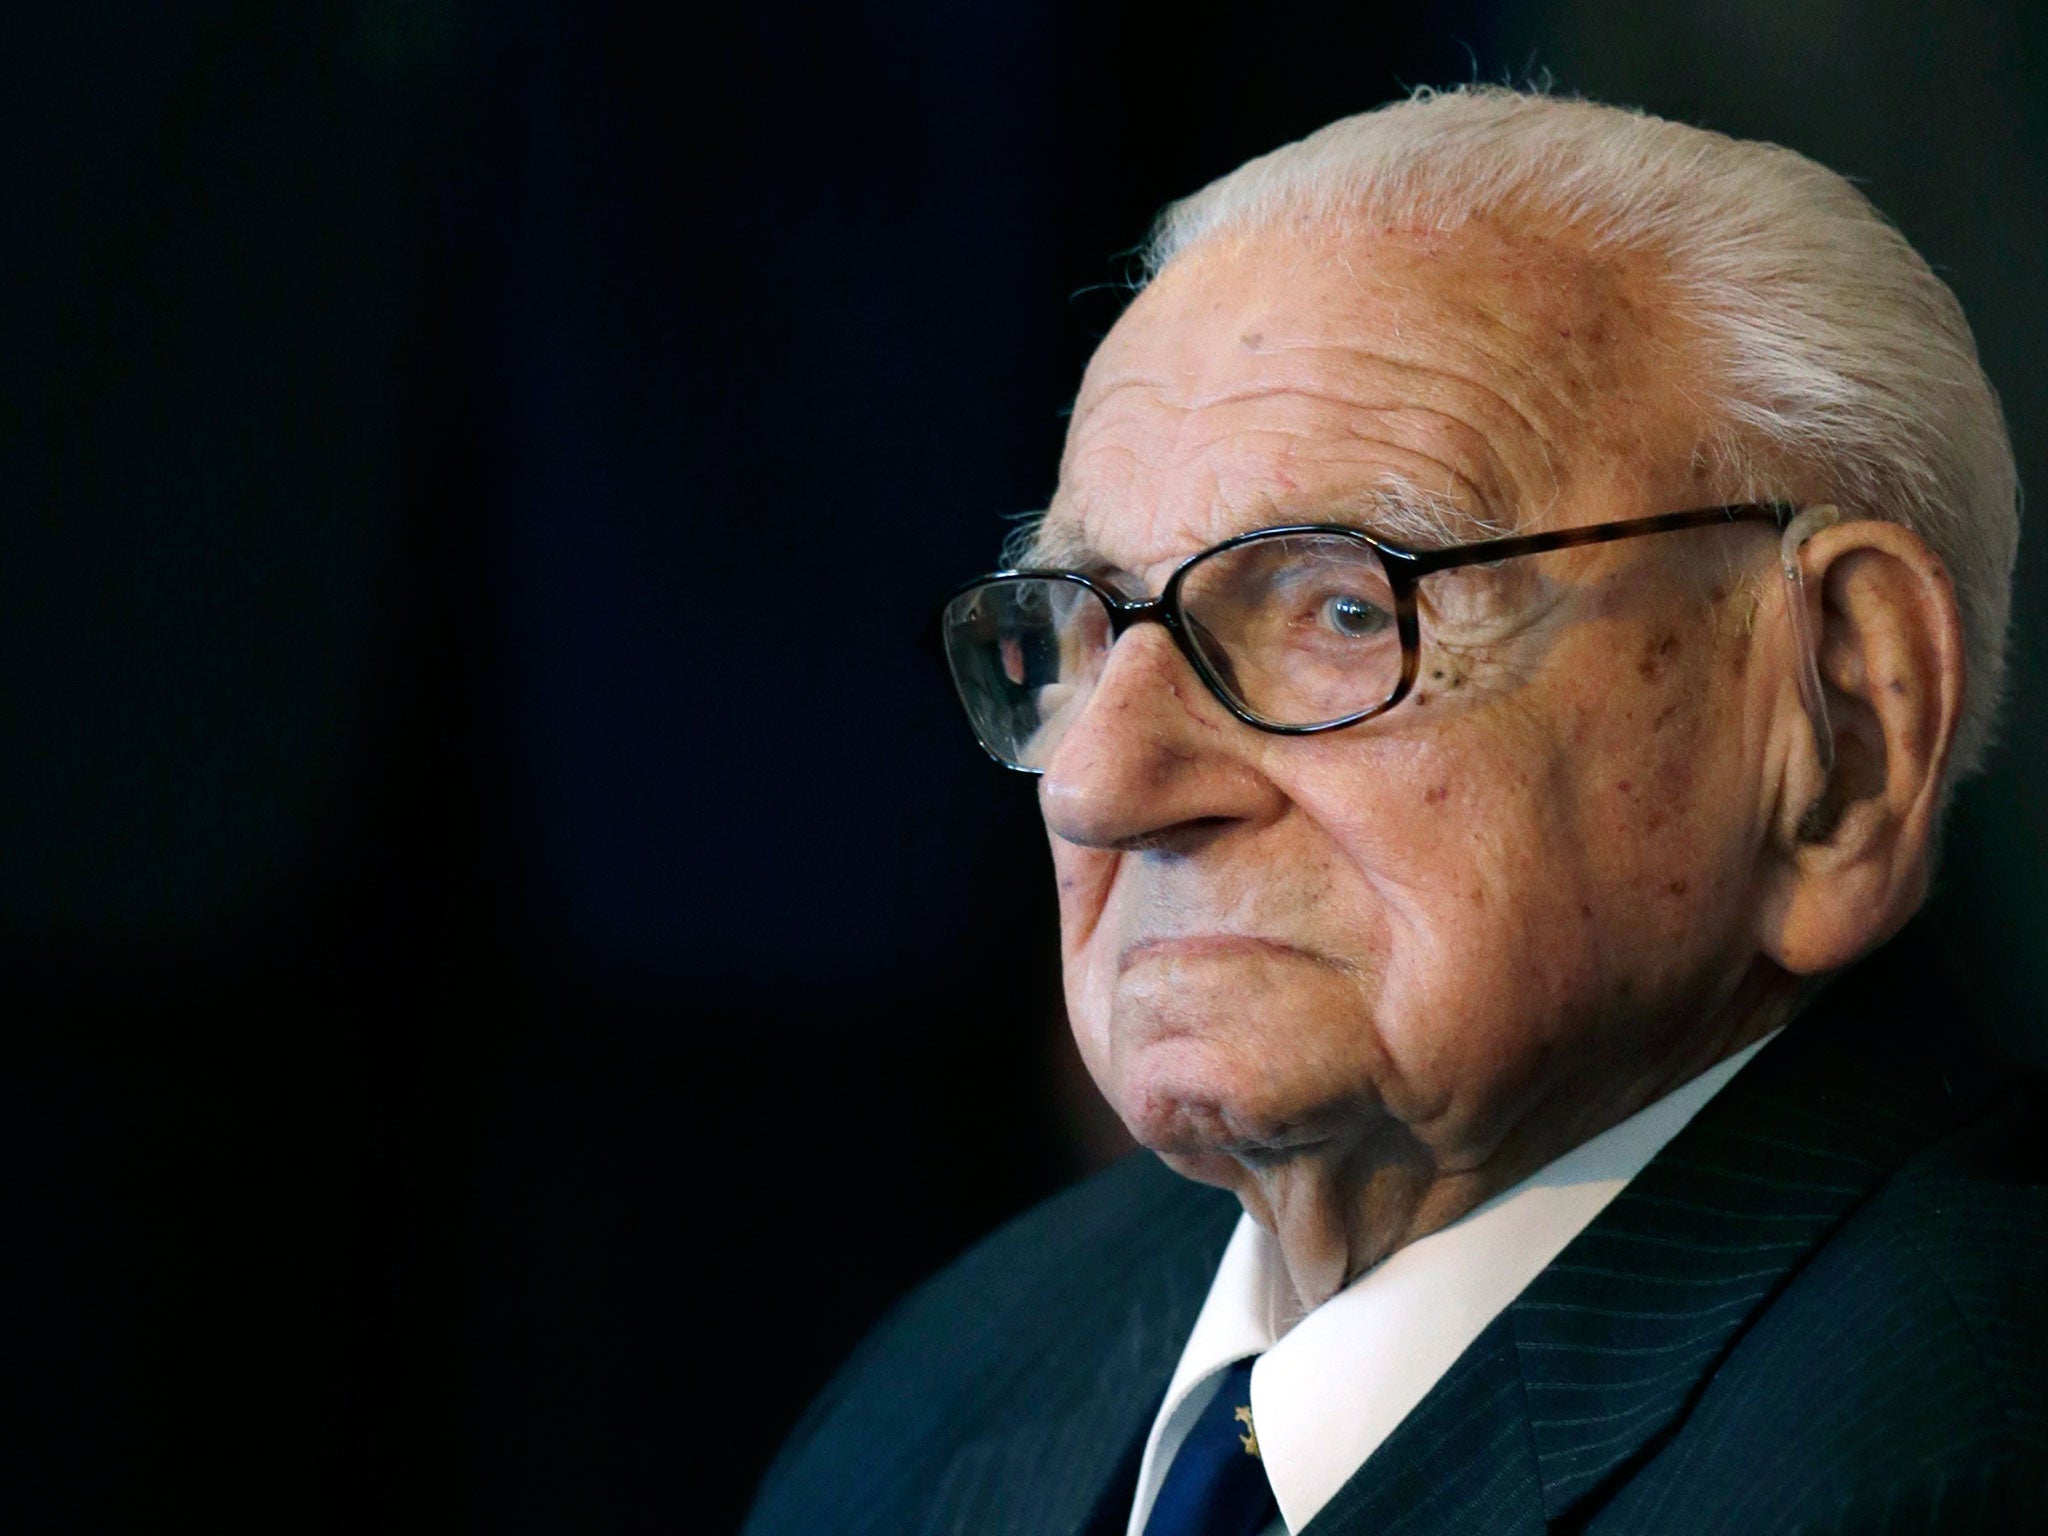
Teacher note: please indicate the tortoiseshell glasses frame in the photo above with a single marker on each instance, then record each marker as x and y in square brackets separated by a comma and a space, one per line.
[1403, 567]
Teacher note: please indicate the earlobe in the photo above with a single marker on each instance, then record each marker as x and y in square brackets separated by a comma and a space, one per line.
[1856, 838]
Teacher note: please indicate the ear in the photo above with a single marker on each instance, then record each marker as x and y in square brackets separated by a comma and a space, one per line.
[1854, 847]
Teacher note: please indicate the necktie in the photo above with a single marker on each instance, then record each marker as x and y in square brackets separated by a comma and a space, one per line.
[1217, 1485]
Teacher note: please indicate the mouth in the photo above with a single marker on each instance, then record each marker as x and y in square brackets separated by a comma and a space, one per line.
[1212, 946]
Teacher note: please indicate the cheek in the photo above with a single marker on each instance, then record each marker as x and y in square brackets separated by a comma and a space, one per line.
[1438, 822]
[1082, 878]
[1465, 873]
[1664, 789]
[1543, 865]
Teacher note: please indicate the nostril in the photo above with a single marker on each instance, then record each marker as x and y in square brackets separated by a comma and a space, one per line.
[1182, 837]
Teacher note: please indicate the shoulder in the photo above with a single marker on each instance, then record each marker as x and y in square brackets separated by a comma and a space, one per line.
[1903, 1368]
[1030, 1313]
[1110, 1227]
[1055, 1275]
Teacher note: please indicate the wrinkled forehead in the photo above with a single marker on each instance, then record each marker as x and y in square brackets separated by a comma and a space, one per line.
[1491, 378]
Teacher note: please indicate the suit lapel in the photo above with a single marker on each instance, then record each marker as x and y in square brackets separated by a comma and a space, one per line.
[1618, 1335]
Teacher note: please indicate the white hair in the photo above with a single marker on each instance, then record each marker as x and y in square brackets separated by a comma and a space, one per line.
[1832, 347]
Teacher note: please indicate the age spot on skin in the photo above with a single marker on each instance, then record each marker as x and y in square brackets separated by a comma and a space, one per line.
[1250, 340]
[1677, 888]
[1659, 651]
[1437, 795]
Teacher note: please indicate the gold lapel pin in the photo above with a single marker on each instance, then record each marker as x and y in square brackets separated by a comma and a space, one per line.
[1250, 1438]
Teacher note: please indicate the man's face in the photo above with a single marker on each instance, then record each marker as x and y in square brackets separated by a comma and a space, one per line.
[1534, 876]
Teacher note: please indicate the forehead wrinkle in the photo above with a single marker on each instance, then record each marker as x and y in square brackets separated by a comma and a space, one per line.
[1277, 386]
[1500, 493]
[1485, 489]
[1556, 466]
[1390, 505]
[1589, 353]
[1472, 446]
[1093, 397]
[1408, 484]
[1600, 361]
[1351, 435]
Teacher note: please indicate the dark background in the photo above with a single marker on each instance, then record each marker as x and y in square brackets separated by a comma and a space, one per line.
[510, 959]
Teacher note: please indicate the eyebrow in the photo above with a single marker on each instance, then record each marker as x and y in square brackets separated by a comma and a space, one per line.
[1395, 510]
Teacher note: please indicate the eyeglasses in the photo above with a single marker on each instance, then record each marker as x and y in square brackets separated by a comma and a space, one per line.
[1296, 630]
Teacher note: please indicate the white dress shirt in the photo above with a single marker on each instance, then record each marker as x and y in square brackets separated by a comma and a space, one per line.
[1327, 1391]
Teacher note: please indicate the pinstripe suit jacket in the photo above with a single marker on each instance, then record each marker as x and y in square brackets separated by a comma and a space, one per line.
[1822, 1308]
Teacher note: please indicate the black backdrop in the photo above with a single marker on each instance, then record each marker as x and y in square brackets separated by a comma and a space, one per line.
[511, 960]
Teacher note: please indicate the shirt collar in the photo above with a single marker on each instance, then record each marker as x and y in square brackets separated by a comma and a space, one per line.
[1327, 1392]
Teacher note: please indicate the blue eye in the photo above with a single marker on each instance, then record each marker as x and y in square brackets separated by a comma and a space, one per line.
[1353, 617]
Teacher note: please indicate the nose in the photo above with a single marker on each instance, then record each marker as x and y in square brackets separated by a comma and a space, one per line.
[1152, 758]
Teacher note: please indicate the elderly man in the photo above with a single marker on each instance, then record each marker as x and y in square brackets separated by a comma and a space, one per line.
[1523, 583]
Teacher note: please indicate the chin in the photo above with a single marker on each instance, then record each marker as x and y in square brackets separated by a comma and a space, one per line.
[1211, 1168]
[1188, 1101]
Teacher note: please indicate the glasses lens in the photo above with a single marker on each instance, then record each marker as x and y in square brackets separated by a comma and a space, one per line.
[1299, 628]
[1025, 651]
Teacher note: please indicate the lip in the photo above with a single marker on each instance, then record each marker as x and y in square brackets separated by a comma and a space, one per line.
[1205, 946]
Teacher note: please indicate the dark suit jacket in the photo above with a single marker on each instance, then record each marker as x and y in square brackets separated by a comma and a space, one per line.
[1822, 1308]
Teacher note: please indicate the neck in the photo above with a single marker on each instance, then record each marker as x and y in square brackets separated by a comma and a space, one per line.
[1340, 1206]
